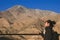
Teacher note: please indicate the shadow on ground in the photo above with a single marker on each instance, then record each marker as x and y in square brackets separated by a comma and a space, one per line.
[5, 38]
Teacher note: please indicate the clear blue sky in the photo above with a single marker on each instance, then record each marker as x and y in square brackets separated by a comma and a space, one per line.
[53, 5]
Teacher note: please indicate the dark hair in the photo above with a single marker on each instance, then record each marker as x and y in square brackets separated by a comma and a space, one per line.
[52, 23]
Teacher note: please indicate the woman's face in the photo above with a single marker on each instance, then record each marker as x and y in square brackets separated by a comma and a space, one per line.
[46, 24]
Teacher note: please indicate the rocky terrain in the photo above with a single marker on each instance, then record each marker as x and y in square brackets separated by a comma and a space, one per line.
[22, 20]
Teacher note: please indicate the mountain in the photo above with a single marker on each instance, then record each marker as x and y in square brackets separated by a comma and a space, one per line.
[22, 20]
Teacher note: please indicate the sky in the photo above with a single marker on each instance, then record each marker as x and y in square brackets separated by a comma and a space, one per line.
[52, 5]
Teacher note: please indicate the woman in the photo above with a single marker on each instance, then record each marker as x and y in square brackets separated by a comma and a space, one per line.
[48, 32]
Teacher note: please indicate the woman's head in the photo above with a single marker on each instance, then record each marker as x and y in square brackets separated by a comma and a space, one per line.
[49, 23]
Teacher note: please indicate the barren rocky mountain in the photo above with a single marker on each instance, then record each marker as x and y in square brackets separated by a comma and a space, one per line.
[22, 20]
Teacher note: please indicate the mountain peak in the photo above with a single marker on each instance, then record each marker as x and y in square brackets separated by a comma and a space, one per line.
[16, 7]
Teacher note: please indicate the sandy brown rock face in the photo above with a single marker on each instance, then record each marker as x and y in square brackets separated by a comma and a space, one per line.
[21, 20]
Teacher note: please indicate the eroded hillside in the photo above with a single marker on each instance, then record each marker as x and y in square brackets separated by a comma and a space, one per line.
[21, 20]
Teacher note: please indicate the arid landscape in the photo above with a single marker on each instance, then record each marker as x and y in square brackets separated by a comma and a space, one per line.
[22, 20]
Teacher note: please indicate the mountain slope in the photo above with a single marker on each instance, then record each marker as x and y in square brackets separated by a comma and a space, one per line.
[21, 20]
